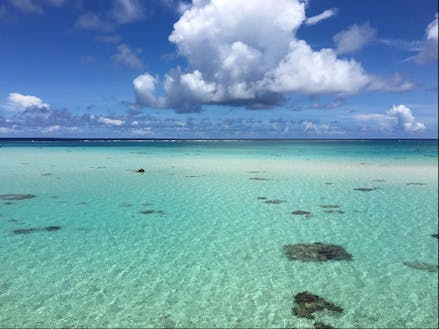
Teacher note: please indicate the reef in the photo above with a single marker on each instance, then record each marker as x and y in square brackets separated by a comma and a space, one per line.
[332, 211]
[274, 201]
[308, 303]
[422, 266]
[321, 325]
[16, 196]
[366, 189]
[301, 212]
[151, 211]
[36, 229]
[315, 252]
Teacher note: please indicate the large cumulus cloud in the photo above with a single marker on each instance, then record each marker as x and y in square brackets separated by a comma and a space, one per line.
[247, 53]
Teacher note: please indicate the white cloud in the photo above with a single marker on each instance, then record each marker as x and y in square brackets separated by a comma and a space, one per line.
[320, 17]
[17, 102]
[429, 48]
[111, 122]
[27, 6]
[144, 87]
[127, 57]
[405, 119]
[127, 11]
[395, 83]
[90, 21]
[353, 38]
[246, 53]
[398, 118]
[432, 29]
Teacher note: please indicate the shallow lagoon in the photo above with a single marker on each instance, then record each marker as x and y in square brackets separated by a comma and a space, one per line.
[193, 242]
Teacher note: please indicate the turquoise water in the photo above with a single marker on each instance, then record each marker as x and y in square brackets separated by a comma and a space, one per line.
[208, 252]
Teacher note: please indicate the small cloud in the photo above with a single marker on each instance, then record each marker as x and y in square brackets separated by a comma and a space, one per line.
[353, 38]
[429, 48]
[91, 21]
[109, 38]
[27, 6]
[396, 83]
[398, 118]
[328, 106]
[127, 57]
[405, 119]
[18, 102]
[127, 11]
[88, 59]
[111, 122]
[320, 17]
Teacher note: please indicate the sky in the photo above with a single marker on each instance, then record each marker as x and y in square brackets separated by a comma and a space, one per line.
[219, 69]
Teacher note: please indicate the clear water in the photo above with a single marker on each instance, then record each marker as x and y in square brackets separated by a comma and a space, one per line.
[213, 258]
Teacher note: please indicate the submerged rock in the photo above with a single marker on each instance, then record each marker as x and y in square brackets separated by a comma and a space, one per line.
[36, 229]
[422, 266]
[332, 211]
[16, 196]
[321, 325]
[366, 189]
[301, 212]
[52, 228]
[274, 201]
[151, 211]
[329, 206]
[308, 303]
[24, 230]
[315, 252]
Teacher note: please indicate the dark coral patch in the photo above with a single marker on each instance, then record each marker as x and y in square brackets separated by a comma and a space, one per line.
[315, 252]
[422, 266]
[274, 201]
[366, 189]
[332, 211]
[321, 325]
[36, 229]
[16, 196]
[151, 211]
[329, 206]
[308, 303]
[52, 228]
[301, 212]
[24, 230]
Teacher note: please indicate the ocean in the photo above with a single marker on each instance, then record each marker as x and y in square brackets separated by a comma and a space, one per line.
[199, 238]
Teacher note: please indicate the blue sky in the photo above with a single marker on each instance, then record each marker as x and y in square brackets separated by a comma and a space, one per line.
[219, 69]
